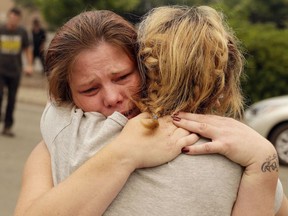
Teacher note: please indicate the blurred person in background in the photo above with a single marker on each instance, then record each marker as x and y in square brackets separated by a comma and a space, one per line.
[39, 38]
[13, 41]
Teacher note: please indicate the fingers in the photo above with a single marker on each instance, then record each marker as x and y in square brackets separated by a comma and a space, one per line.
[201, 118]
[188, 140]
[204, 129]
[205, 148]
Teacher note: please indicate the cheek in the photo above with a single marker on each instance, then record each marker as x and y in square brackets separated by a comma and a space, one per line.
[87, 104]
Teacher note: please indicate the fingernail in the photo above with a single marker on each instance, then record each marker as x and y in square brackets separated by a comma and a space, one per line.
[175, 118]
[184, 150]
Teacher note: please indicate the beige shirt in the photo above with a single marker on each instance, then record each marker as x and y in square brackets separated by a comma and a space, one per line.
[188, 185]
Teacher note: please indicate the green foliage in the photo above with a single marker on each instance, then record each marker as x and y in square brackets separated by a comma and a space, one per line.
[262, 11]
[146, 5]
[265, 47]
[267, 61]
[56, 12]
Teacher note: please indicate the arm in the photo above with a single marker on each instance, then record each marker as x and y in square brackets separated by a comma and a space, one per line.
[244, 146]
[92, 187]
[29, 59]
[103, 175]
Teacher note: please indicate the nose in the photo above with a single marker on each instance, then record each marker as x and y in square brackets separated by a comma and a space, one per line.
[113, 97]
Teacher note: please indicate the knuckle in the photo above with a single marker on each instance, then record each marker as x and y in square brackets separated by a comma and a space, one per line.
[207, 148]
[194, 137]
[202, 127]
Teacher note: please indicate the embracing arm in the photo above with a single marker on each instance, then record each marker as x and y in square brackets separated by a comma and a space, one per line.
[92, 187]
[104, 175]
[246, 147]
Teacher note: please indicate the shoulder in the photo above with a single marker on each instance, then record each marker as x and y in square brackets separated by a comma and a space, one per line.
[52, 110]
[53, 120]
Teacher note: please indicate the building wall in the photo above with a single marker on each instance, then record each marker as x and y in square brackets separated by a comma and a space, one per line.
[5, 5]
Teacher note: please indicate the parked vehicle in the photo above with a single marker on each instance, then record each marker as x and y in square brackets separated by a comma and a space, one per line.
[269, 117]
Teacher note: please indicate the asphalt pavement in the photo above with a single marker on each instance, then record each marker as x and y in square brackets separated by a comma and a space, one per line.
[31, 100]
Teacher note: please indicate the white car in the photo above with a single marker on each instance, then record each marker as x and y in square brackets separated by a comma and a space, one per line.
[269, 117]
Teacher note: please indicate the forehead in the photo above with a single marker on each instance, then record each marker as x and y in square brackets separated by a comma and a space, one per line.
[102, 59]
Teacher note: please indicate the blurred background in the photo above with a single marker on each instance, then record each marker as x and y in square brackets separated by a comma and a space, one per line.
[261, 26]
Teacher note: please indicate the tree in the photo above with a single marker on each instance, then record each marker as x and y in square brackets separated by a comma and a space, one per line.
[56, 12]
[260, 11]
[263, 11]
[267, 62]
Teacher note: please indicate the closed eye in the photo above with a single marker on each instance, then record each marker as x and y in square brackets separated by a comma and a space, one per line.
[123, 77]
[90, 90]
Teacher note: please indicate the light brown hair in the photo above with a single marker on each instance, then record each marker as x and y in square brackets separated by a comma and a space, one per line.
[192, 62]
[85, 31]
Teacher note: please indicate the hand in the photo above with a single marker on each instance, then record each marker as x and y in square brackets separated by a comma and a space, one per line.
[229, 137]
[152, 147]
[244, 146]
[28, 70]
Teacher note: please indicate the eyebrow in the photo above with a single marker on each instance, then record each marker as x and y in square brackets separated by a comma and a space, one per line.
[115, 73]
[89, 82]
[86, 83]
[121, 70]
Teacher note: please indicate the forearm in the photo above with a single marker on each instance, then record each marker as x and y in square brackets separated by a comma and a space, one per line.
[257, 189]
[89, 190]
[94, 185]
[29, 56]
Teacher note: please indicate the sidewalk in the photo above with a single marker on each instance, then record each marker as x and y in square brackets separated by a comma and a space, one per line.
[33, 89]
[31, 100]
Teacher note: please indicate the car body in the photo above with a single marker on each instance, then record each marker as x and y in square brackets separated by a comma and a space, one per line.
[269, 117]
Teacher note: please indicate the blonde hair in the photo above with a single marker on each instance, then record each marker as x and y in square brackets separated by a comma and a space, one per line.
[191, 60]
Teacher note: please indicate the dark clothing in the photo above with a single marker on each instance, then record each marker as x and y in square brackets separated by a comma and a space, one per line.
[39, 37]
[12, 87]
[12, 43]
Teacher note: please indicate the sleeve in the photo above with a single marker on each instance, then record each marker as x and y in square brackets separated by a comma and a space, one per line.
[53, 120]
[278, 196]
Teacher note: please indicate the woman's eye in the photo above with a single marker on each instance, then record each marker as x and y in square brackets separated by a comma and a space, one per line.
[90, 90]
[123, 77]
